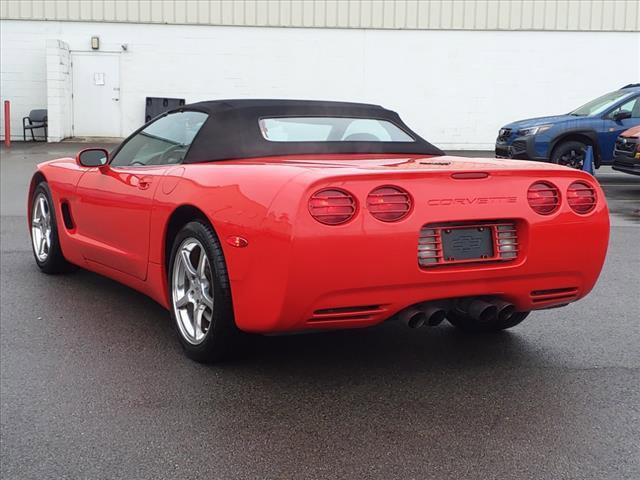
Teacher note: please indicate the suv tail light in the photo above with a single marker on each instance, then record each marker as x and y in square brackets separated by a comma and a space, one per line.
[332, 206]
[581, 197]
[544, 198]
[389, 204]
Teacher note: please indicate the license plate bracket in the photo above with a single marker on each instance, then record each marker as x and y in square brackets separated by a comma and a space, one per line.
[464, 244]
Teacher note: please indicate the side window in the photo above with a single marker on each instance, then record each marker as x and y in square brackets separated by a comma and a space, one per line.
[632, 106]
[164, 142]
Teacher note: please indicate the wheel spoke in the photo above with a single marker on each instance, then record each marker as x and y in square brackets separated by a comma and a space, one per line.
[37, 240]
[41, 245]
[207, 300]
[41, 206]
[202, 263]
[186, 261]
[198, 313]
[183, 301]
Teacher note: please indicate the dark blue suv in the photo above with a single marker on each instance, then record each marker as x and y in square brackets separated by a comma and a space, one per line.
[563, 139]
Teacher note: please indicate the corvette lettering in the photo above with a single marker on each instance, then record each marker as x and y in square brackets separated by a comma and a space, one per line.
[435, 202]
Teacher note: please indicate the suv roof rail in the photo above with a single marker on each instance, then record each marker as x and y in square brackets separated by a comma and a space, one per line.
[631, 85]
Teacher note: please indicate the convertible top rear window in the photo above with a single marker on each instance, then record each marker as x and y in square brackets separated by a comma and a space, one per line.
[331, 129]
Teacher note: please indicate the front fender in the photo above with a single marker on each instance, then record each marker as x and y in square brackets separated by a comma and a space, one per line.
[63, 176]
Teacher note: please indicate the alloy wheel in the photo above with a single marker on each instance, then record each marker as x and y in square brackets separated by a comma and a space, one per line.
[192, 291]
[41, 227]
[574, 158]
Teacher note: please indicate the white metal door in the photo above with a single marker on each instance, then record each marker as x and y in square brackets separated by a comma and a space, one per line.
[96, 94]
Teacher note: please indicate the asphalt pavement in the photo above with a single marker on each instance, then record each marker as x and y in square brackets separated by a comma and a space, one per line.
[93, 383]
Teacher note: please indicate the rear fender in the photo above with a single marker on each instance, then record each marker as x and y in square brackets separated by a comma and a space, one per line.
[261, 210]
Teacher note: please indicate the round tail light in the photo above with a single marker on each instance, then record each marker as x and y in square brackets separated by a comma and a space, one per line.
[389, 204]
[332, 206]
[581, 197]
[544, 198]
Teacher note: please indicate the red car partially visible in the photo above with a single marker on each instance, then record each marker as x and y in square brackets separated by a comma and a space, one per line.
[268, 216]
[626, 153]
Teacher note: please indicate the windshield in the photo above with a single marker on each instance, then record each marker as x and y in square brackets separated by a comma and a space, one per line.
[331, 129]
[165, 141]
[599, 105]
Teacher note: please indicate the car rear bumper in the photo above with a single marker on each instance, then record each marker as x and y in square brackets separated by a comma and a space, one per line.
[362, 273]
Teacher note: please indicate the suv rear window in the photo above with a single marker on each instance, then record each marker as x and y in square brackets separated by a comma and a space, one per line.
[331, 129]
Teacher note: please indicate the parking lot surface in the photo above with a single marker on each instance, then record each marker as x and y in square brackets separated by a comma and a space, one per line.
[94, 385]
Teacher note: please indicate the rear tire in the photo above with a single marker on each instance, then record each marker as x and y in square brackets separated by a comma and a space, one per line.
[570, 154]
[468, 324]
[43, 230]
[200, 295]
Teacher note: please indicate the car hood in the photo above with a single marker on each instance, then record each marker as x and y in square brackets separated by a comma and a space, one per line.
[532, 122]
[633, 132]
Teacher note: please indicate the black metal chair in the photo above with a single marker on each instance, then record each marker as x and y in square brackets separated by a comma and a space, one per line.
[36, 119]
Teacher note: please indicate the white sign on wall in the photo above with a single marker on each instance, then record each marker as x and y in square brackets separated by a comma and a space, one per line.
[98, 78]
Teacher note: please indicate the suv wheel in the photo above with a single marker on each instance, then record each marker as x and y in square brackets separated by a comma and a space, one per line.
[570, 154]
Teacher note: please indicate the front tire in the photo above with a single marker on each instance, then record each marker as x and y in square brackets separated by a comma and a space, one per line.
[570, 154]
[468, 324]
[45, 242]
[200, 296]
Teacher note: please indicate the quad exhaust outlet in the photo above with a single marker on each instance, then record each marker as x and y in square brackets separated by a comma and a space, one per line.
[481, 309]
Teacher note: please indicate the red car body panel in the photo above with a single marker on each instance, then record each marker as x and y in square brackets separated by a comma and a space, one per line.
[633, 132]
[298, 274]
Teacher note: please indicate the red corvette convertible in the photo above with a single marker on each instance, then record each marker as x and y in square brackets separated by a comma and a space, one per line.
[268, 216]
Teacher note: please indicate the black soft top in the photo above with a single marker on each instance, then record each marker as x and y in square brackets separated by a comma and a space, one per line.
[232, 130]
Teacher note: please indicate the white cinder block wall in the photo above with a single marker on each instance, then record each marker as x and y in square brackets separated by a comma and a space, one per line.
[59, 90]
[454, 87]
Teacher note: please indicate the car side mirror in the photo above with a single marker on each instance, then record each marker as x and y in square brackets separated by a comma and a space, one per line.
[93, 157]
[621, 115]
